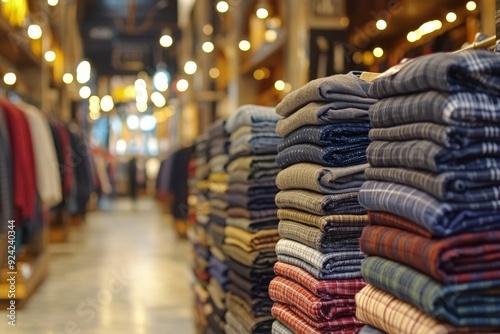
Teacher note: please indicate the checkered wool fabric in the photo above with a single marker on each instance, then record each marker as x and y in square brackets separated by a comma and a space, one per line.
[327, 224]
[279, 328]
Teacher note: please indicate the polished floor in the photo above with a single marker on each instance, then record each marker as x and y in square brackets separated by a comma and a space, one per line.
[124, 272]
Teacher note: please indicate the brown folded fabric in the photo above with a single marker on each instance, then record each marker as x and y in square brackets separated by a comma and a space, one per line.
[260, 238]
[249, 259]
[328, 224]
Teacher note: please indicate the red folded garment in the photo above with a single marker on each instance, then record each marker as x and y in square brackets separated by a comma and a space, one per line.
[284, 291]
[388, 219]
[297, 323]
[324, 289]
[467, 257]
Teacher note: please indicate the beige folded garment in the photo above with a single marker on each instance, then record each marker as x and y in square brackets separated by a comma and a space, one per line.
[324, 223]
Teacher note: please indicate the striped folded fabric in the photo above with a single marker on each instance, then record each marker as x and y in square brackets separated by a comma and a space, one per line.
[326, 180]
[348, 223]
[299, 323]
[349, 154]
[323, 289]
[468, 304]
[394, 316]
[251, 115]
[249, 259]
[328, 135]
[474, 71]
[284, 291]
[314, 238]
[429, 156]
[334, 265]
[345, 90]
[251, 130]
[319, 204]
[279, 328]
[237, 323]
[455, 186]
[253, 163]
[256, 239]
[262, 176]
[390, 220]
[318, 113]
[454, 137]
[257, 307]
[253, 225]
[463, 258]
[264, 201]
[269, 214]
[372, 330]
[440, 218]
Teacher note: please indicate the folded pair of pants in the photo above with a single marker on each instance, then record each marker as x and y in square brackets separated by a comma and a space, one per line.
[256, 274]
[218, 162]
[474, 71]
[333, 265]
[454, 186]
[269, 214]
[394, 316]
[299, 323]
[316, 113]
[463, 258]
[468, 304]
[427, 155]
[439, 218]
[262, 176]
[256, 258]
[252, 130]
[253, 163]
[316, 239]
[323, 289]
[237, 323]
[325, 180]
[253, 225]
[218, 147]
[254, 144]
[378, 218]
[328, 135]
[463, 109]
[217, 297]
[346, 90]
[288, 292]
[279, 328]
[257, 202]
[347, 223]
[450, 136]
[253, 289]
[253, 240]
[215, 324]
[257, 307]
[251, 189]
[319, 204]
[331, 156]
[251, 115]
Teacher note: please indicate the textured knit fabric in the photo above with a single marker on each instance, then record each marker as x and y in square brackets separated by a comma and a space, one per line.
[440, 218]
[345, 90]
[328, 135]
[300, 324]
[279, 328]
[331, 156]
[218, 162]
[426, 155]
[394, 316]
[321, 179]
[469, 304]
[453, 137]
[474, 186]
[252, 289]
[475, 71]
[316, 239]
[249, 115]
[323, 289]
[327, 224]
[463, 258]
[334, 265]
[284, 291]
[319, 204]
[259, 274]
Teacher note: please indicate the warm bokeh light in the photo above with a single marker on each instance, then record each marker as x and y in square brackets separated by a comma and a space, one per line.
[34, 31]
[85, 92]
[166, 41]
[381, 25]
[279, 85]
[107, 103]
[190, 67]
[244, 45]
[182, 85]
[451, 17]
[222, 6]
[262, 13]
[471, 6]
[378, 52]
[67, 78]
[52, 2]
[207, 47]
[50, 56]
[10, 78]
[214, 73]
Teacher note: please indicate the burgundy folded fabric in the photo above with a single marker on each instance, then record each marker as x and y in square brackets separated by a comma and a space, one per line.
[324, 289]
[287, 292]
[467, 257]
[388, 219]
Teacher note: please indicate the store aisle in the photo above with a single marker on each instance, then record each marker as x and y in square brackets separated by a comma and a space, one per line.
[124, 272]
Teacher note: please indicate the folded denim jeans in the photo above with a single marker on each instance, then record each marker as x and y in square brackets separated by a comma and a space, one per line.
[331, 156]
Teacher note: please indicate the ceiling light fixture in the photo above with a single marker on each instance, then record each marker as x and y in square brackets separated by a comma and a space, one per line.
[166, 41]
[85, 92]
[244, 45]
[182, 85]
[222, 6]
[208, 47]
[190, 67]
[34, 31]
[50, 56]
[381, 25]
[67, 78]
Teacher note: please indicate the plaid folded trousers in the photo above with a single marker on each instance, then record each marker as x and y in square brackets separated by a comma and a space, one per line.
[323, 289]
[287, 292]
[468, 304]
[237, 324]
[346, 90]
[325, 180]
[333, 265]
[253, 225]
[329, 224]
[266, 257]
[465, 109]
[257, 307]
[474, 71]
[390, 220]
[319, 204]
[331, 156]
[279, 328]
[328, 135]
[256, 202]
[440, 218]
[463, 258]
[461, 186]
[394, 316]
[249, 115]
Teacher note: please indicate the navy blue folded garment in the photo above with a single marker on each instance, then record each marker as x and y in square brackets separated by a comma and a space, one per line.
[202, 251]
[439, 218]
[332, 156]
[214, 218]
[263, 176]
[261, 202]
[253, 163]
[254, 289]
[268, 214]
[257, 306]
[474, 186]
[252, 189]
[257, 274]
[253, 224]
[426, 155]
[473, 71]
[467, 109]
[251, 115]
[328, 135]
[219, 270]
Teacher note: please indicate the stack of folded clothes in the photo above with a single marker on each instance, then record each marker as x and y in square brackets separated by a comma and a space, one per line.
[251, 232]
[433, 240]
[325, 136]
[218, 141]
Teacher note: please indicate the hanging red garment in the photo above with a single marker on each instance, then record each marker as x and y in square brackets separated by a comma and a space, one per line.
[23, 164]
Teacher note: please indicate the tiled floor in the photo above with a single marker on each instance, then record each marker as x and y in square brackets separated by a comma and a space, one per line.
[123, 272]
